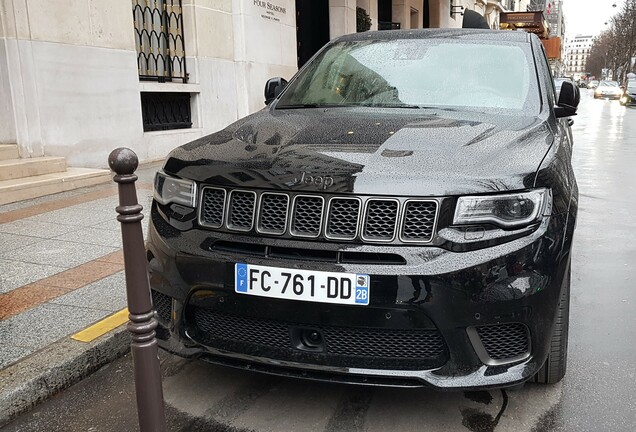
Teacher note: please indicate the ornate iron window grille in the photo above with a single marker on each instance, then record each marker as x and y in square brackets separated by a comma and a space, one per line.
[159, 40]
[165, 111]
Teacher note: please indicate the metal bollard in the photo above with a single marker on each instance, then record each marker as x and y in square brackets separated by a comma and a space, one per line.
[142, 322]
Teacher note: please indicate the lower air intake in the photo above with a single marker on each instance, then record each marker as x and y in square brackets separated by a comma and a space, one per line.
[344, 346]
[505, 341]
[162, 304]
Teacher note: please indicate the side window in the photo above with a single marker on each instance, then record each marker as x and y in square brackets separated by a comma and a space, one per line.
[544, 69]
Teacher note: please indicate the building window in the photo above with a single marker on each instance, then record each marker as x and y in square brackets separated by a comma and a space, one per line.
[159, 40]
[165, 111]
[385, 25]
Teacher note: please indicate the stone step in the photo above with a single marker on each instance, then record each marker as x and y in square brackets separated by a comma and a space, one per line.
[9, 151]
[19, 168]
[32, 187]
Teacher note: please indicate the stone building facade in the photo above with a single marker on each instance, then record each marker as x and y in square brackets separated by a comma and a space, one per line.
[576, 53]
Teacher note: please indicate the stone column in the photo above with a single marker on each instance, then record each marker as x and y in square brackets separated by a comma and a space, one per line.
[19, 112]
[398, 14]
[264, 47]
[342, 17]
[402, 13]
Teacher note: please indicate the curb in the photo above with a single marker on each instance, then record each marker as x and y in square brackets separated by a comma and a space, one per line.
[55, 368]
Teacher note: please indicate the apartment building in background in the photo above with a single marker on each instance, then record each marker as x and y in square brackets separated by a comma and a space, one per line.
[577, 51]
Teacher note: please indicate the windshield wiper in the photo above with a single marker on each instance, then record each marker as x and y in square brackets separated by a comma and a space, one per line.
[388, 105]
[313, 105]
[439, 108]
[377, 105]
[346, 105]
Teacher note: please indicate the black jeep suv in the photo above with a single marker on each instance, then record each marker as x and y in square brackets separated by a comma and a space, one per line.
[400, 213]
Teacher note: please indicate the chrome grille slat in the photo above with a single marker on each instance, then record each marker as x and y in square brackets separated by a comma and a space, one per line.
[380, 220]
[419, 221]
[212, 207]
[342, 219]
[364, 219]
[272, 214]
[307, 216]
[240, 215]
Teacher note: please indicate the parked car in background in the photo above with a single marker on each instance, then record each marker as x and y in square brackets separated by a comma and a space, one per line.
[629, 94]
[386, 219]
[592, 84]
[608, 89]
[582, 83]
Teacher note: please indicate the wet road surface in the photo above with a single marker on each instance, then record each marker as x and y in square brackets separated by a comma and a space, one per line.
[599, 391]
[597, 394]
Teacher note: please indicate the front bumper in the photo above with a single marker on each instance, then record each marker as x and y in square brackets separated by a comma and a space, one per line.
[607, 95]
[454, 293]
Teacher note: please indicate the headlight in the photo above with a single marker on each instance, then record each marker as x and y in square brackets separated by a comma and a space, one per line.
[173, 190]
[506, 210]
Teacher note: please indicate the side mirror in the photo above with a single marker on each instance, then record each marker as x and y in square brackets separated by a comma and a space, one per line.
[568, 102]
[273, 87]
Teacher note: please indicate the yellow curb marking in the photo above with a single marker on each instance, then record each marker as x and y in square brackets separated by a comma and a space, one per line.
[102, 327]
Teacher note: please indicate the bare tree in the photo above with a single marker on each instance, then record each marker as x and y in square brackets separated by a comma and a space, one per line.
[614, 48]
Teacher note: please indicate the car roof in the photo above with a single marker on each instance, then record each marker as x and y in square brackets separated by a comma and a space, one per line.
[469, 34]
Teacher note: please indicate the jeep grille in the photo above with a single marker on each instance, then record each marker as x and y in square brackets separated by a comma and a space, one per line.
[363, 219]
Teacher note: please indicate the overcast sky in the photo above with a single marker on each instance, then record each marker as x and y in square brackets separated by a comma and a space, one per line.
[587, 17]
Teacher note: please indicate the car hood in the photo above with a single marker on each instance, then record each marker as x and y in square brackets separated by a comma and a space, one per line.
[369, 151]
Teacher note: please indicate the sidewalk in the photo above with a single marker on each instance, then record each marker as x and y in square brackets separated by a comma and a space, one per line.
[61, 271]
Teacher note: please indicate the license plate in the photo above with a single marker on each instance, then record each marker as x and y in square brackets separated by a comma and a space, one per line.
[304, 285]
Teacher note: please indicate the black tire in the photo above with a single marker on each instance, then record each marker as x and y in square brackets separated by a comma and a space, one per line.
[553, 369]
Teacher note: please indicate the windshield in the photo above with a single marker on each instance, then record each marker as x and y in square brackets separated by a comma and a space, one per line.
[608, 84]
[411, 73]
[631, 85]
